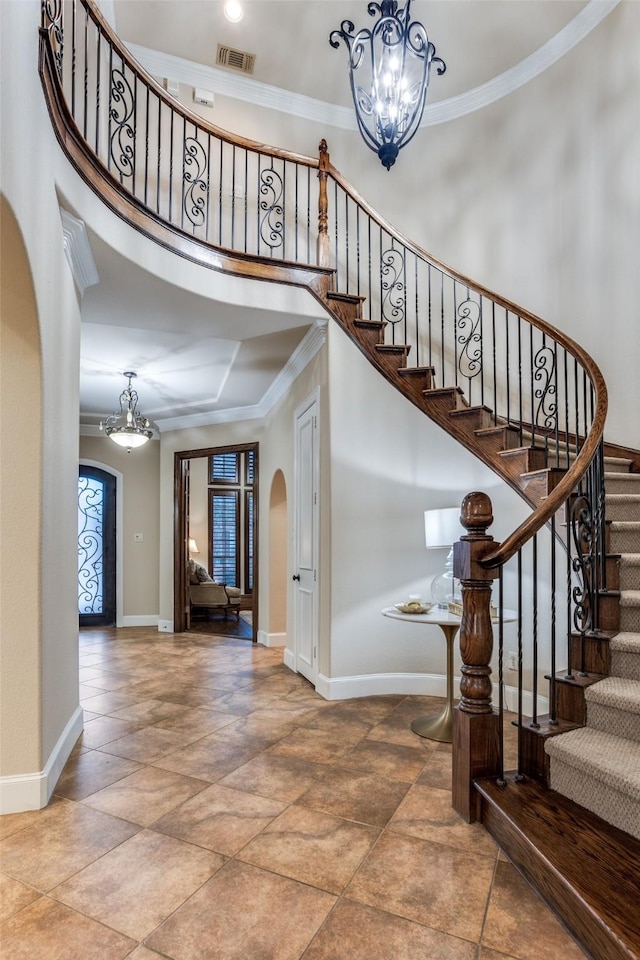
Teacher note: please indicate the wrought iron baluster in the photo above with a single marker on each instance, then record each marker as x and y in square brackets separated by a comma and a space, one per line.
[233, 196]
[52, 21]
[534, 681]
[159, 155]
[171, 168]
[121, 111]
[468, 315]
[494, 357]
[272, 222]
[195, 185]
[393, 287]
[146, 148]
[97, 137]
[552, 681]
[520, 651]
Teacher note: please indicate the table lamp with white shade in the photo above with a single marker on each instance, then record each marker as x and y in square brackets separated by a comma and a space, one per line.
[193, 547]
[442, 528]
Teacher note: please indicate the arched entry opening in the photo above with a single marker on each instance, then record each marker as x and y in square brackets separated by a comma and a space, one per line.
[278, 562]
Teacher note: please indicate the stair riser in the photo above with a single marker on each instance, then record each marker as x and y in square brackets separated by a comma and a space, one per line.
[596, 796]
[619, 723]
[629, 619]
[616, 510]
[624, 484]
[597, 654]
[623, 541]
[629, 576]
[625, 664]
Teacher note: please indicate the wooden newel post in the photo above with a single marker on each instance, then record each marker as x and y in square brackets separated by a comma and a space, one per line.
[475, 725]
[323, 252]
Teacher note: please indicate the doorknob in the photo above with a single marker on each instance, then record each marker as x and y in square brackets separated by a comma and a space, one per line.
[296, 576]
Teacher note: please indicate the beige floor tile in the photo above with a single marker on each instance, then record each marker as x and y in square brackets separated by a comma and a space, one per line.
[149, 711]
[280, 778]
[103, 730]
[312, 745]
[148, 744]
[146, 795]
[426, 882]
[108, 702]
[426, 812]
[209, 759]
[312, 847]
[138, 885]
[437, 772]
[520, 925]
[13, 822]
[220, 818]
[487, 954]
[215, 923]
[87, 772]
[14, 897]
[355, 796]
[45, 854]
[385, 759]
[197, 720]
[143, 954]
[50, 931]
[257, 729]
[354, 931]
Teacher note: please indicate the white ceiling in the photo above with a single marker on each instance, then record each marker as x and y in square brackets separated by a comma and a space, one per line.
[197, 356]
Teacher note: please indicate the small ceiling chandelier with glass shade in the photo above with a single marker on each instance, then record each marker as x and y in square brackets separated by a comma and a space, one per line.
[389, 70]
[127, 426]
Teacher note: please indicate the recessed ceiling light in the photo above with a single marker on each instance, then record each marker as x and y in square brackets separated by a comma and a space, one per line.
[233, 11]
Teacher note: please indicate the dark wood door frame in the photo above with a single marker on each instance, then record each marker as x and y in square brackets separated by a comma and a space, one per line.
[181, 527]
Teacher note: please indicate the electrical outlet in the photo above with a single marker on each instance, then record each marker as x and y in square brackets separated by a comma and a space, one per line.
[512, 660]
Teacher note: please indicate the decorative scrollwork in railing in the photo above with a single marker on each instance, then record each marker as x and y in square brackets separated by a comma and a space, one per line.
[52, 20]
[470, 339]
[392, 285]
[272, 207]
[195, 186]
[122, 104]
[90, 511]
[546, 412]
[583, 563]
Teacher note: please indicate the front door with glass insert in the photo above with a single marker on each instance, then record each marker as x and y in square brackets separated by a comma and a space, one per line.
[96, 547]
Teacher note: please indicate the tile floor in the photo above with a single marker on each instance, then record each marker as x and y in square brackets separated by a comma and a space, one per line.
[216, 808]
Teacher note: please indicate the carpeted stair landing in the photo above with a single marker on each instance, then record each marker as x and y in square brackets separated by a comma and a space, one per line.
[598, 766]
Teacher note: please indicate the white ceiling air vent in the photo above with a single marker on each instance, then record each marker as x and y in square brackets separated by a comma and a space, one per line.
[235, 59]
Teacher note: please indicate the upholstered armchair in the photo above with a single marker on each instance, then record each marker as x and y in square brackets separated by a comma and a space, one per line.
[206, 593]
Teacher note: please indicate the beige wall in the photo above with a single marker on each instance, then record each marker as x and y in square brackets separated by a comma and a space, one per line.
[20, 504]
[49, 674]
[140, 471]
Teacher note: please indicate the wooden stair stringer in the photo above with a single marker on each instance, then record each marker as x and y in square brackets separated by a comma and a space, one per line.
[472, 427]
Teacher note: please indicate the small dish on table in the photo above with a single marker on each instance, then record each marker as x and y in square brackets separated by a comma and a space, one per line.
[413, 606]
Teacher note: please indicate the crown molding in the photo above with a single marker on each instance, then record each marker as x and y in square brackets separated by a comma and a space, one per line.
[242, 88]
[78, 251]
[306, 350]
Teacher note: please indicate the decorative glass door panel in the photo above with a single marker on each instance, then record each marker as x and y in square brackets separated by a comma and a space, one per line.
[96, 547]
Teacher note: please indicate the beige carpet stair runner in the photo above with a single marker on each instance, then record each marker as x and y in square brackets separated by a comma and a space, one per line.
[598, 766]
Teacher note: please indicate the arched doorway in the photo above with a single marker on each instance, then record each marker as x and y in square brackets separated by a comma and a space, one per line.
[278, 562]
[96, 547]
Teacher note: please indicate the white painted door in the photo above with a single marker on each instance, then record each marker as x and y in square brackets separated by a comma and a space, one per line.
[305, 553]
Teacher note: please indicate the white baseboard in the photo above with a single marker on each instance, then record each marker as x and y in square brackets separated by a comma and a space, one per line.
[147, 620]
[289, 659]
[165, 626]
[379, 684]
[272, 639]
[31, 791]
[416, 684]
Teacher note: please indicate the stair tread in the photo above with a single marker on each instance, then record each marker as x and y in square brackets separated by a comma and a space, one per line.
[630, 598]
[617, 692]
[612, 760]
[584, 863]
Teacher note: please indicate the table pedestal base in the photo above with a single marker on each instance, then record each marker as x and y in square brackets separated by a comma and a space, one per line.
[435, 728]
[441, 727]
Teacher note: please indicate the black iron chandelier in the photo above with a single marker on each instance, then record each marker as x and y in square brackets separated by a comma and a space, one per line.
[389, 70]
[127, 427]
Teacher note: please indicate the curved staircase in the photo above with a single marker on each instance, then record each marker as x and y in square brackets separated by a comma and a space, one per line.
[522, 396]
